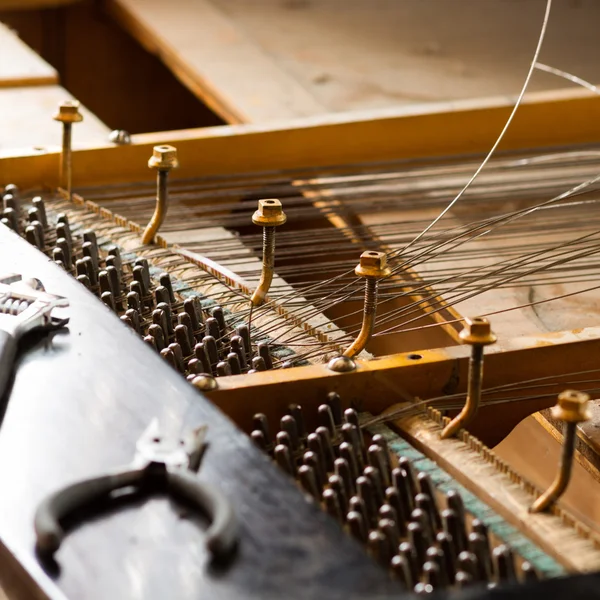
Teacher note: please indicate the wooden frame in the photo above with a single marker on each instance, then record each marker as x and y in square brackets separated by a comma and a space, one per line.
[544, 120]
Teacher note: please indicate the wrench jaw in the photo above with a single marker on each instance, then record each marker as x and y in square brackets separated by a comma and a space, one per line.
[25, 305]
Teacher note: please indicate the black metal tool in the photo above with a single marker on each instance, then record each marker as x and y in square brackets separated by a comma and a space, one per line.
[160, 465]
[24, 306]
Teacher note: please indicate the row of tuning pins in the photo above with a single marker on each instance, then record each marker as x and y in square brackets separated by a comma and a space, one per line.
[34, 225]
[393, 510]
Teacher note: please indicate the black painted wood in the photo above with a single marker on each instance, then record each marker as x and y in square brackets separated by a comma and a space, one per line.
[79, 401]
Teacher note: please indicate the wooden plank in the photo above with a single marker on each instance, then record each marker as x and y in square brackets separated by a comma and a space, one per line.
[464, 127]
[215, 60]
[386, 53]
[33, 4]
[26, 122]
[20, 65]
[75, 427]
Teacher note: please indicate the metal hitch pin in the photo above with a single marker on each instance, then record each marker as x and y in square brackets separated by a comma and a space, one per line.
[477, 333]
[572, 408]
[269, 215]
[372, 266]
[164, 158]
[68, 113]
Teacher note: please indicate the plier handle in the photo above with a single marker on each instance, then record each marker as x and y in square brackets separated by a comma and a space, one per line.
[158, 467]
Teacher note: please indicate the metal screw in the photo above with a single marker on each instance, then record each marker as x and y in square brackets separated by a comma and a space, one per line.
[341, 364]
[120, 137]
[204, 382]
[478, 334]
[372, 266]
[68, 113]
[164, 159]
[269, 215]
[572, 408]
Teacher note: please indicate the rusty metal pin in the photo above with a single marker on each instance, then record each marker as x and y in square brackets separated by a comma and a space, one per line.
[457, 507]
[166, 308]
[332, 505]
[284, 459]
[364, 488]
[164, 158]
[244, 333]
[468, 563]
[446, 544]
[356, 526]
[211, 348]
[420, 516]
[378, 547]
[373, 475]
[176, 349]
[212, 329]
[425, 503]
[194, 366]
[416, 537]
[68, 113]
[184, 319]
[432, 575]
[234, 363]
[337, 484]
[223, 369]
[156, 331]
[258, 438]
[269, 216]
[401, 571]
[478, 545]
[315, 446]
[529, 573]
[168, 355]
[202, 355]
[325, 417]
[289, 425]
[160, 318]
[191, 307]
[390, 530]
[109, 300]
[295, 411]
[258, 364]
[40, 206]
[342, 470]
[436, 555]
[478, 334]
[134, 315]
[462, 580]
[183, 339]
[504, 563]
[347, 453]
[335, 404]
[133, 301]
[378, 461]
[408, 551]
[394, 500]
[372, 266]
[380, 441]
[306, 475]
[265, 353]
[572, 408]
[454, 526]
[161, 294]
[350, 435]
[328, 452]
[311, 459]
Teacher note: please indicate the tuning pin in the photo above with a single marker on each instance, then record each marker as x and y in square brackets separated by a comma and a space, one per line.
[342, 470]
[192, 308]
[64, 245]
[114, 259]
[373, 474]
[237, 346]
[468, 563]
[504, 563]
[364, 487]
[529, 573]
[194, 366]
[234, 363]
[109, 300]
[351, 435]
[356, 526]
[402, 481]
[378, 460]
[347, 453]
[265, 354]
[31, 235]
[393, 499]
[332, 505]
[390, 530]
[478, 546]
[156, 331]
[134, 316]
[168, 355]
[325, 417]
[258, 364]
[161, 294]
[212, 329]
[166, 308]
[10, 214]
[417, 538]
[91, 272]
[202, 356]
[284, 459]
[139, 275]
[258, 438]
[160, 318]
[409, 553]
[217, 313]
[456, 505]
[306, 476]
[223, 369]
[379, 548]
[83, 279]
[184, 319]
[446, 545]
[210, 345]
[182, 337]
[327, 446]
[63, 229]
[401, 571]
[133, 301]
[335, 404]
[289, 425]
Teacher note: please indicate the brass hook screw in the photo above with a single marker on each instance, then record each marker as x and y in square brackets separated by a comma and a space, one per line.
[478, 334]
[68, 113]
[269, 215]
[372, 266]
[164, 158]
[572, 408]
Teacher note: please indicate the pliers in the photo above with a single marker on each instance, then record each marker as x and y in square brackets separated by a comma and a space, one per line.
[24, 306]
[159, 465]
